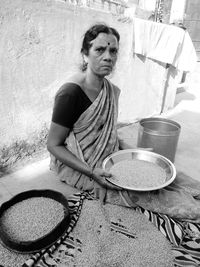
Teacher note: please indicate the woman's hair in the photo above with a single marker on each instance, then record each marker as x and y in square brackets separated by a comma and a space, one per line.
[91, 34]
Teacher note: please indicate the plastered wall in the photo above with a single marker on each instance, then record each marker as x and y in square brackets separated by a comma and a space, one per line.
[39, 47]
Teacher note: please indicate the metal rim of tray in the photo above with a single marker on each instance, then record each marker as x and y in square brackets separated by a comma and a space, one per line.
[164, 159]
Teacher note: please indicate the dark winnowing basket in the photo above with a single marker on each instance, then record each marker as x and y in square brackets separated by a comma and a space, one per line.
[44, 241]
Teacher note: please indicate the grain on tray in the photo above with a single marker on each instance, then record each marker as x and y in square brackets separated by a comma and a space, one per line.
[138, 173]
[32, 218]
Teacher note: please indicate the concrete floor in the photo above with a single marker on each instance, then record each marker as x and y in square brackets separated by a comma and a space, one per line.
[186, 112]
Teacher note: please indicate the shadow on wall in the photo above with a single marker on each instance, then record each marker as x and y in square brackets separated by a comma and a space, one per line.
[23, 150]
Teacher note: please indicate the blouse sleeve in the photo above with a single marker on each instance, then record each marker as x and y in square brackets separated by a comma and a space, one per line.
[65, 107]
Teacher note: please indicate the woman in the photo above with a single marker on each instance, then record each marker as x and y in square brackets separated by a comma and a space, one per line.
[83, 128]
[83, 133]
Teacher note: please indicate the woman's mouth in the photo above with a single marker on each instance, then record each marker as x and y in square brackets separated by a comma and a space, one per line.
[107, 66]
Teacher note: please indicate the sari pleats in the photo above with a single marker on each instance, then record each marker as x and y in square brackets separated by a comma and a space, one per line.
[93, 138]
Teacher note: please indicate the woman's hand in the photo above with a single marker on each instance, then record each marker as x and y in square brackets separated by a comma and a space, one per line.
[100, 175]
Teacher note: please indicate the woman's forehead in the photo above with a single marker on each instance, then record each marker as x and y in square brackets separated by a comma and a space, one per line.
[104, 39]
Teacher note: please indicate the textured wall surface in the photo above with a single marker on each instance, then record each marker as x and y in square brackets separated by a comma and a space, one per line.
[39, 47]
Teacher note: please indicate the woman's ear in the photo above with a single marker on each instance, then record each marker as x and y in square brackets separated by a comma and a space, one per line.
[84, 63]
[85, 59]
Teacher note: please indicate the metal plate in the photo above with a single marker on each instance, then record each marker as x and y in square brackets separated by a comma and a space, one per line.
[144, 155]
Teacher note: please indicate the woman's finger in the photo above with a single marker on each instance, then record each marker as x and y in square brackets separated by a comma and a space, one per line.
[107, 174]
[112, 186]
[102, 195]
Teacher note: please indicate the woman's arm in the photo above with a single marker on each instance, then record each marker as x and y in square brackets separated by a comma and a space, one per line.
[55, 145]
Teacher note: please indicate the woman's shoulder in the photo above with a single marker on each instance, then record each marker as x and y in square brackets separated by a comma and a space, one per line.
[116, 89]
[77, 78]
[72, 86]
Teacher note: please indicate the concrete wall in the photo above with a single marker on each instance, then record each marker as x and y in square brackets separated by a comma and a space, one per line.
[39, 47]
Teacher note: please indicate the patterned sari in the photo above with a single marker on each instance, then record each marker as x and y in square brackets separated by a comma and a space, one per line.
[94, 137]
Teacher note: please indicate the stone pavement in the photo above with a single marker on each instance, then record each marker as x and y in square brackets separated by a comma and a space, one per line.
[186, 112]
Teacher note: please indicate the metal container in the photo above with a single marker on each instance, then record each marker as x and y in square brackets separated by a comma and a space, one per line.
[143, 155]
[159, 134]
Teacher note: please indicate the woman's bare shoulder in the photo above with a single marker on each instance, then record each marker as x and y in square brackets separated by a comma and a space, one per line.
[77, 78]
[116, 89]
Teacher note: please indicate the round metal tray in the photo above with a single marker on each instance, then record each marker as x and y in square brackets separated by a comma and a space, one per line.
[44, 241]
[141, 154]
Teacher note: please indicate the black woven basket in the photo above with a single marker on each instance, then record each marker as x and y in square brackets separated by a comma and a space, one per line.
[44, 241]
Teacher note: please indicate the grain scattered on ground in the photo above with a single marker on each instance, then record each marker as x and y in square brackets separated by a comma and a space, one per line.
[103, 247]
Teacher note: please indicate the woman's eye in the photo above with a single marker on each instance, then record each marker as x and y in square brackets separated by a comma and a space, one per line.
[100, 49]
[113, 51]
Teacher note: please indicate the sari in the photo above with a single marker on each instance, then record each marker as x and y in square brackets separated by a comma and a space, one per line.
[94, 137]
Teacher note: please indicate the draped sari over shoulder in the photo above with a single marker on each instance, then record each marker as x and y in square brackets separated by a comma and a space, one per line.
[94, 137]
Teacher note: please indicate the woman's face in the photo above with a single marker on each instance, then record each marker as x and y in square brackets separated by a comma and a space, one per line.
[102, 54]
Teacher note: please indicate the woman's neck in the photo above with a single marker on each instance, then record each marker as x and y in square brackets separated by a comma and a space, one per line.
[93, 82]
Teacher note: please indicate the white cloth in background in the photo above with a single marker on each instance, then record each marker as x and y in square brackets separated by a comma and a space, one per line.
[164, 43]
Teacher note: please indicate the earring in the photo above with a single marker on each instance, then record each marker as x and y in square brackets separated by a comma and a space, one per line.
[84, 62]
[84, 65]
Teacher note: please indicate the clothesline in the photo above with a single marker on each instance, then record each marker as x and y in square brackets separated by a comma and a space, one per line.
[164, 43]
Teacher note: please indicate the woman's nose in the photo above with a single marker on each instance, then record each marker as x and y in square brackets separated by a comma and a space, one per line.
[107, 56]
